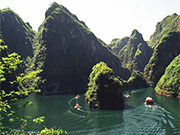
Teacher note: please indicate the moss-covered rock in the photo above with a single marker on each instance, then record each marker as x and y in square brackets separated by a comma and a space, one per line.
[133, 51]
[104, 88]
[167, 49]
[70, 51]
[168, 24]
[17, 34]
[169, 84]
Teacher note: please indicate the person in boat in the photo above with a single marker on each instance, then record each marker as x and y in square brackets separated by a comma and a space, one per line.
[149, 101]
[132, 91]
[77, 106]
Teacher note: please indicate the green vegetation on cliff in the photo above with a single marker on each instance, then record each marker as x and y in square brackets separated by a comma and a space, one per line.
[16, 33]
[136, 53]
[167, 49]
[104, 88]
[168, 24]
[169, 84]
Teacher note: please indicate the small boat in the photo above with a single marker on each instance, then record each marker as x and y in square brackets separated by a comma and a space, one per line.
[77, 106]
[127, 96]
[149, 101]
[132, 91]
[77, 97]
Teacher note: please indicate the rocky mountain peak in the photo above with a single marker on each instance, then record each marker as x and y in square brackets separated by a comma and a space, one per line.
[53, 7]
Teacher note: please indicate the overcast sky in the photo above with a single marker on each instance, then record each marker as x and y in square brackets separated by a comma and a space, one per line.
[107, 19]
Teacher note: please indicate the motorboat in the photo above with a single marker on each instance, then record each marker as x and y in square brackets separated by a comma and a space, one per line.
[149, 101]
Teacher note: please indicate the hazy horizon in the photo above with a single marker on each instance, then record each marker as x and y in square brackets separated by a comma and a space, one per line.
[106, 19]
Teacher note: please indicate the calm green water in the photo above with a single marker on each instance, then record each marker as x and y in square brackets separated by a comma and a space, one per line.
[162, 119]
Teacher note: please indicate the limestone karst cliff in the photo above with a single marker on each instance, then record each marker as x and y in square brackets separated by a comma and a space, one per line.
[71, 50]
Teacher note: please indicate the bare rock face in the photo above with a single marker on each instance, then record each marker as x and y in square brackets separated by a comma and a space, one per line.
[70, 51]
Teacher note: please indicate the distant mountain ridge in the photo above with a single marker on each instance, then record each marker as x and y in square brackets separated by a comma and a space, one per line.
[133, 51]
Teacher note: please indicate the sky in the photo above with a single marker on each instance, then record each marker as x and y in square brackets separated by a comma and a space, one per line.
[107, 19]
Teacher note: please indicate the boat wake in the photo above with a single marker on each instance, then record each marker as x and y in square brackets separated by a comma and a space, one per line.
[74, 108]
